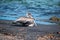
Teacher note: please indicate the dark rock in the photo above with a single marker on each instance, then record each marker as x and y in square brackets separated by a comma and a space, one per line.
[54, 18]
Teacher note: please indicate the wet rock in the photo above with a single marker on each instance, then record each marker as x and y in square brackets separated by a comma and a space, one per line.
[49, 37]
[54, 18]
[7, 37]
[45, 37]
[58, 32]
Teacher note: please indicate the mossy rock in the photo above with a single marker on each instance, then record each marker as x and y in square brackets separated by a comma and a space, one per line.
[54, 18]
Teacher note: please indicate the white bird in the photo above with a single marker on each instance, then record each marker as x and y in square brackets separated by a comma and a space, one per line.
[26, 20]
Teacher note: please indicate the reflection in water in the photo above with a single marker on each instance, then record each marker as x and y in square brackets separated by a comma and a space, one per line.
[39, 9]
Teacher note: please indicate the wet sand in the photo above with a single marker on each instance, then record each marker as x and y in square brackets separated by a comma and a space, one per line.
[10, 32]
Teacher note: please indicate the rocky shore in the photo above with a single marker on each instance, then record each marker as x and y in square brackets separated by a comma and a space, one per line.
[40, 32]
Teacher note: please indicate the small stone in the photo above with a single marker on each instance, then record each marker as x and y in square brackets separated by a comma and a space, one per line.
[41, 38]
[58, 32]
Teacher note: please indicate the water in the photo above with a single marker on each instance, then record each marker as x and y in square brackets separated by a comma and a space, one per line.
[40, 9]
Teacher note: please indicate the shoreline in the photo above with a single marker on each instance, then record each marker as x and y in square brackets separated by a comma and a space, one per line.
[10, 21]
[49, 28]
[33, 33]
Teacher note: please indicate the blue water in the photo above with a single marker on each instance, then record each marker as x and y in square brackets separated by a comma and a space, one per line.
[40, 9]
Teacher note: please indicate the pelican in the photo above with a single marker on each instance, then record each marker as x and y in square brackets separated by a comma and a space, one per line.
[27, 20]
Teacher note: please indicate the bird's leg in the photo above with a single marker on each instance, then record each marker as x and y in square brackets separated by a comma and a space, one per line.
[35, 23]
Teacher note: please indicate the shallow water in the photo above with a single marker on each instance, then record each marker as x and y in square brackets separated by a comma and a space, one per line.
[40, 9]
